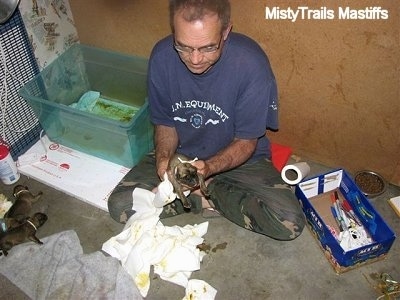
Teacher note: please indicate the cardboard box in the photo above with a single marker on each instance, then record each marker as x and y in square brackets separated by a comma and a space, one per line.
[119, 77]
[315, 195]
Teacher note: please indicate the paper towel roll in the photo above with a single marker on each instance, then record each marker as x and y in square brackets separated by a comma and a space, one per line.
[293, 174]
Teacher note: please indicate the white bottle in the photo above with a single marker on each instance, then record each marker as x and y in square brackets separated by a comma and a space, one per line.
[8, 169]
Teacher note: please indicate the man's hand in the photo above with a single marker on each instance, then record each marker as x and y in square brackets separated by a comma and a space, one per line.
[238, 152]
[202, 167]
[162, 166]
[166, 141]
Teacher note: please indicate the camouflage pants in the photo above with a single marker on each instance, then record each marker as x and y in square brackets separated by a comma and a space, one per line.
[253, 196]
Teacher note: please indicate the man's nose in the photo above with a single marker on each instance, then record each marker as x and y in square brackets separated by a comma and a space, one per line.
[195, 56]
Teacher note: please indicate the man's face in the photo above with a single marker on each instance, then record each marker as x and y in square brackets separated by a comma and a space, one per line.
[199, 43]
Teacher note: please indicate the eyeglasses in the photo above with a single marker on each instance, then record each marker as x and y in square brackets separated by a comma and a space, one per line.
[202, 50]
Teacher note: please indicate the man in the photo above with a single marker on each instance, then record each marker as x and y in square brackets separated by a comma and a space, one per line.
[212, 95]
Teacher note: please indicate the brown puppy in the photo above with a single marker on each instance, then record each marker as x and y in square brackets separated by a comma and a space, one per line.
[22, 205]
[183, 176]
[22, 233]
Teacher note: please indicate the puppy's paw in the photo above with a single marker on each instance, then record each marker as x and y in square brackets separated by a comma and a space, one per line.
[206, 193]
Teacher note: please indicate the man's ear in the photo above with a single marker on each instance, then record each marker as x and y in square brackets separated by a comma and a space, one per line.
[227, 31]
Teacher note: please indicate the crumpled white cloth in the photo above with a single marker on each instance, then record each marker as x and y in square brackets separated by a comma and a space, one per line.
[165, 193]
[199, 290]
[354, 238]
[146, 242]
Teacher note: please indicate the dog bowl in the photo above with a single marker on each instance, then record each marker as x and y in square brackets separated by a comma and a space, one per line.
[370, 183]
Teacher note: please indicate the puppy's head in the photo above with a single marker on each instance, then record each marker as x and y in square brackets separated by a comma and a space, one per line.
[19, 188]
[39, 218]
[186, 175]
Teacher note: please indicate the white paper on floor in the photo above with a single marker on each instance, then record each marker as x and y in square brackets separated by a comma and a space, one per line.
[88, 178]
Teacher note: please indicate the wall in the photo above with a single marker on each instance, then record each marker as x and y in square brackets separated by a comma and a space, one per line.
[338, 79]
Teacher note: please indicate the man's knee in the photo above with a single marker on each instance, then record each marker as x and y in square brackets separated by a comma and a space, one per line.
[119, 204]
[294, 229]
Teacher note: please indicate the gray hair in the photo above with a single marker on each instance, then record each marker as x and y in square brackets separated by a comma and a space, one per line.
[196, 9]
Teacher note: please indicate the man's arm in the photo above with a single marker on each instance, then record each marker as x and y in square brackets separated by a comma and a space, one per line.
[238, 152]
[166, 142]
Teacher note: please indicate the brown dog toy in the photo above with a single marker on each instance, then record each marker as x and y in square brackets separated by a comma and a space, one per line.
[184, 177]
[22, 233]
[21, 208]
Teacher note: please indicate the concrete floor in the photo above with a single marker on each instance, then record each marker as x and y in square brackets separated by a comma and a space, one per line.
[240, 264]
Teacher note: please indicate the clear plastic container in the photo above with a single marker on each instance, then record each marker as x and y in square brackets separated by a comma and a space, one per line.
[115, 76]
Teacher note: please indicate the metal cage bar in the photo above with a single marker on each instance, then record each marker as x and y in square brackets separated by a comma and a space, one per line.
[19, 125]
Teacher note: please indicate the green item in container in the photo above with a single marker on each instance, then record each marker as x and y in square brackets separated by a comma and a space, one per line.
[92, 102]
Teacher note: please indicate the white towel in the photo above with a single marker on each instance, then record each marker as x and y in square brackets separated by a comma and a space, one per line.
[146, 242]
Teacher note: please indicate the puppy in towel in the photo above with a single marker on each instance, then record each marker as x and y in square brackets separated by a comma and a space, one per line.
[184, 177]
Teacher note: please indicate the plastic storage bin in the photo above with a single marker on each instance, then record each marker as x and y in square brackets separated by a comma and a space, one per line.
[119, 77]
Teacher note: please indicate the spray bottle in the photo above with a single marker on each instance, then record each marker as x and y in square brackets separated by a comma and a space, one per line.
[8, 169]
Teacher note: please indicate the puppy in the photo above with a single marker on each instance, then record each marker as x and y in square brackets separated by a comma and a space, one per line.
[183, 176]
[22, 205]
[22, 233]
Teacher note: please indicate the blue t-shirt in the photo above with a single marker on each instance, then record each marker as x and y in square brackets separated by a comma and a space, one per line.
[236, 97]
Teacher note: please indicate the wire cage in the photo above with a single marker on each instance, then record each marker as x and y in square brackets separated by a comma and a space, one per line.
[19, 125]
